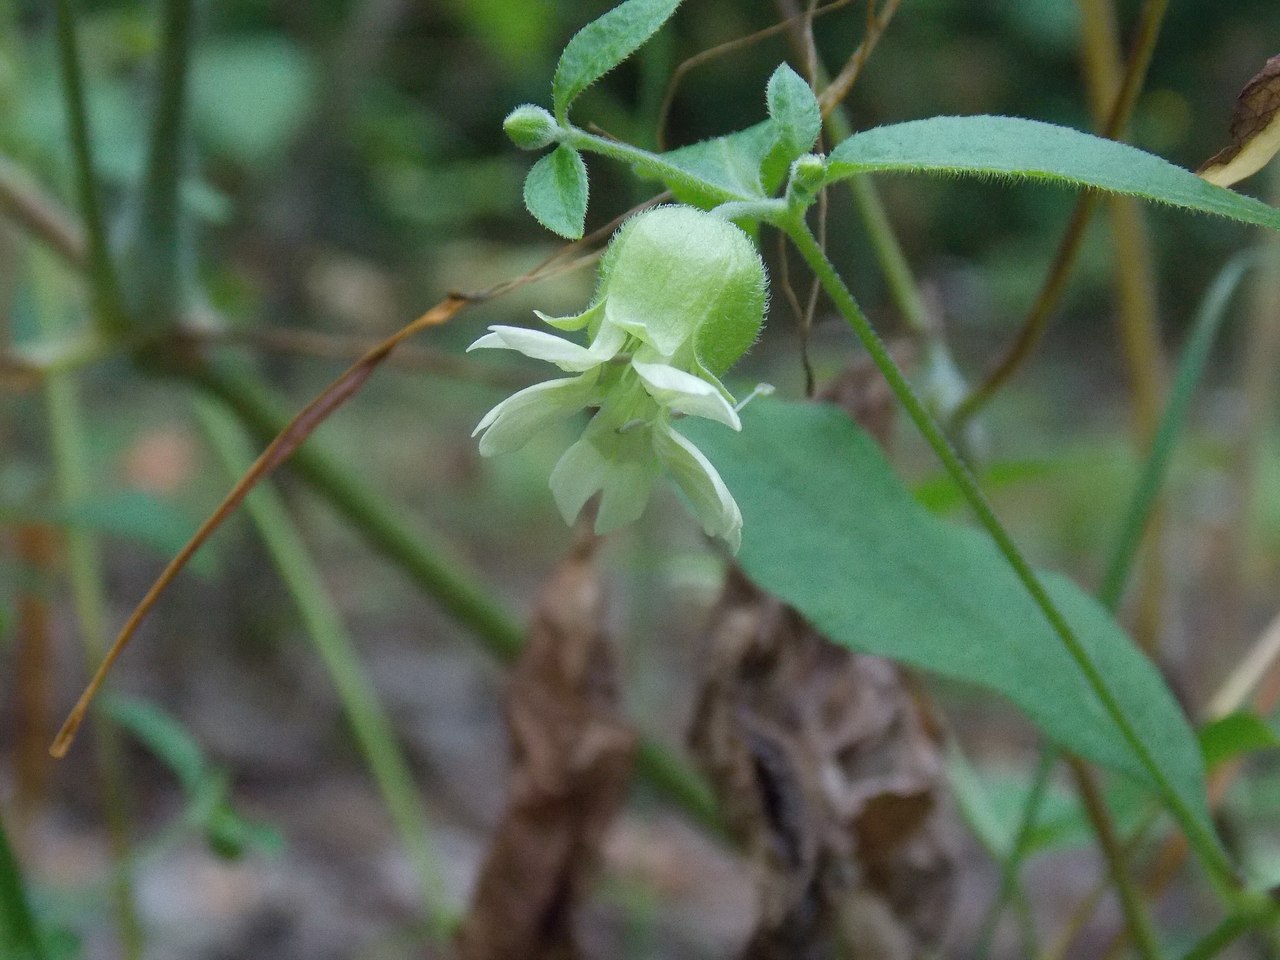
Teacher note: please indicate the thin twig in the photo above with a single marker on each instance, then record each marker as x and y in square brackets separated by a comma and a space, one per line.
[22, 201]
[729, 46]
[1137, 920]
[838, 89]
[1036, 322]
[279, 450]
[347, 385]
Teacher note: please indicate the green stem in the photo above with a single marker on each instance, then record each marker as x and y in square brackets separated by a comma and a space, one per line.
[1230, 929]
[1142, 502]
[155, 260]
[108, 307]
[1010, 864]
[1205, 845]
[74, 482]
[369, 721]
[464, 599]
[650, 164]
[18, 928]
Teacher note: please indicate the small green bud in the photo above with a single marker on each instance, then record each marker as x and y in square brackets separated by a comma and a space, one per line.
[531, 127]
[808, 174]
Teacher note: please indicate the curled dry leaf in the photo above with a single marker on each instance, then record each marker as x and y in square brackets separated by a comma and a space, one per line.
[1255, 130]
[828, 766]
[572, 756]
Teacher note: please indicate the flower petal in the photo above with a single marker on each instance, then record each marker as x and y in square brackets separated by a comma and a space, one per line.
[565, 354]
[686, 393]
[511, 423]
[626, 493]
[577, 476]
[621, 465]
[701, 483]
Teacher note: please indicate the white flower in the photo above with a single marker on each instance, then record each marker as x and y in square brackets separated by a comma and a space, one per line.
[681, 297]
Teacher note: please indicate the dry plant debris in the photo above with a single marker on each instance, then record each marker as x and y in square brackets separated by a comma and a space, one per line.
[572, 758]
[1255, 130]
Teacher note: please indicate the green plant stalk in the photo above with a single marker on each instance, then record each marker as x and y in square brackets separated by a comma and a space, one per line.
[1146, 493]
[155, 257]
[1231, 929]
[18, 928]
[646, 163]
[902, 285]
[1205, 845]
[73, 479]
[1195, 357]
[108, 306]
[369, 721]
[468, 602]
[1010, 864]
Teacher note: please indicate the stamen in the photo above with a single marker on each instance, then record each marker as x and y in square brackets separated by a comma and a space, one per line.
[761, 390]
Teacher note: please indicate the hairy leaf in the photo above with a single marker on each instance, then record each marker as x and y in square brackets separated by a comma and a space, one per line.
[735, 163]
[794, 109]
[830, 529]
[1030, 150]
[555, 192]
[603, 44]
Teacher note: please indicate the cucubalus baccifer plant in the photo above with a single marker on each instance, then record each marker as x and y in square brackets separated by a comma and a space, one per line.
[800, 495]
[802, 498]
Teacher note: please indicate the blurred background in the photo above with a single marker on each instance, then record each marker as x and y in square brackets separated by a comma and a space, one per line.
[346, 169]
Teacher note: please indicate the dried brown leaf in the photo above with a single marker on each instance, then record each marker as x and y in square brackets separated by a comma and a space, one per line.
[1255, 130]
[828, 766]
[572, 758]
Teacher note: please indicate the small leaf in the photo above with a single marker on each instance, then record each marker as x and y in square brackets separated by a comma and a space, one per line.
[1255, 130]
[603, 44]
[1030, 150]
[555, 192]
[830, 529]
[794, 109]
[734, 164]
[1233, 735]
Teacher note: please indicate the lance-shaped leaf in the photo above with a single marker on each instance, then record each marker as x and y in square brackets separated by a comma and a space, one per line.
[555, 192]
[603, 44]
[1011, 148]
[830, 529]
[1255, 130]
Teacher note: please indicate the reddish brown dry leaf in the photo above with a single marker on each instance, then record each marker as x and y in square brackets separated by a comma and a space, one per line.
[828, 766]
[572, 757]
[1255, 130]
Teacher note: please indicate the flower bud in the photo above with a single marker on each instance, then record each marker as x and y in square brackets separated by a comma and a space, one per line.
[808, 174]
[531, 127]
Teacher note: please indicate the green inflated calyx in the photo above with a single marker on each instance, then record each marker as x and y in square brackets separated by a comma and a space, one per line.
[687, 283]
